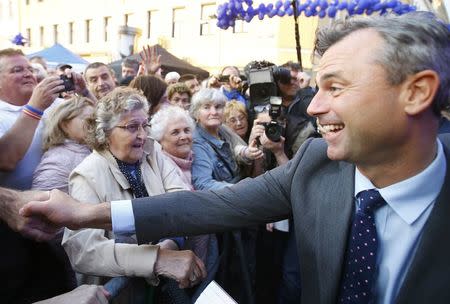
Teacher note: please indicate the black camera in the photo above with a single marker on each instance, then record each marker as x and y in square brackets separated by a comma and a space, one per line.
[262, 77]
[273, 129]
[68, 83]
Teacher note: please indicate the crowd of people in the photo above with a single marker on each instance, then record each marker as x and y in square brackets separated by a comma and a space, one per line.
[171, 181]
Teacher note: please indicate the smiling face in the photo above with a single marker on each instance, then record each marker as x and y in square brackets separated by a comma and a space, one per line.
[17, 80]
[210, 116]
[360, 115]
[177, 138]
[126, 145]
[99, 81]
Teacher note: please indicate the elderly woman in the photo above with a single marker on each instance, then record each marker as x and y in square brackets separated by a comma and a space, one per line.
[173, 128]
[124, 164]
[236, 118]
[216, 147]
[63, 144]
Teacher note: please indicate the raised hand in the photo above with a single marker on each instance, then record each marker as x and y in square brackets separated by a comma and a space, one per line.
[150, 60]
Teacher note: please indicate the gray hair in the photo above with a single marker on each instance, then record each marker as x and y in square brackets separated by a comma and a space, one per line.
[109, 111]
[206, 95]
[414, 42]
[163, 118]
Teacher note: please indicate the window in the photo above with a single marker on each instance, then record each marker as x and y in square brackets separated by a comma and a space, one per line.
[41, 36]
[106, 24]
[88, 30]
[27, 2]
[29, 36]
[207, 26]
[178, 18]
[55, 33]
[71, 32]
[152, 20]
[240, 27]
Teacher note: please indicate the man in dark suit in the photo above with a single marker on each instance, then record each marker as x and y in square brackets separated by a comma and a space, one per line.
[369, 200]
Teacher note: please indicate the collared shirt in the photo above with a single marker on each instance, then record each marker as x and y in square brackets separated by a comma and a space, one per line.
[400, 222]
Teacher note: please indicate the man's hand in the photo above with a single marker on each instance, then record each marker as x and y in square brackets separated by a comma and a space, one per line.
[183, 266]
[84, 294]
[46, 92]
[150, 60]
[12, 201]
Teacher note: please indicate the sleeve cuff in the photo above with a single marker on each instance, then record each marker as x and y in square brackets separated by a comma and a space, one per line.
[122, 217]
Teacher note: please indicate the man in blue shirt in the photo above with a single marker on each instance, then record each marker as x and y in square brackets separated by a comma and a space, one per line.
[383, 81]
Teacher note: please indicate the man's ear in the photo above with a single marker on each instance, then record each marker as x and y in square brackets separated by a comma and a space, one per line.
[420, 90]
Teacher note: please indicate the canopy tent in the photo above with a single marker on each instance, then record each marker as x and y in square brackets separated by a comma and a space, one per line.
[58, 54]
[169, 63]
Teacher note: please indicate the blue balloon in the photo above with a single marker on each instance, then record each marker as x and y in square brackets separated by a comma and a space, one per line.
[392, 4]
[272, 13]
[290, 11]
[342, 6]
[287, 4]
[261, 16]
[269, 6]
[238, 6]
[281, 13]
[332, 11]
[231, 23]
[308, 12]
[278, 4]
[248, 18]
[322, 14]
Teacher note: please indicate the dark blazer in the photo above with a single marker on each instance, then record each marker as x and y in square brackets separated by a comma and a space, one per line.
[318, 193]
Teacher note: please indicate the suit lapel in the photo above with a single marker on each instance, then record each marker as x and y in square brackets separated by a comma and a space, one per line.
[428, 277]
[333, 217]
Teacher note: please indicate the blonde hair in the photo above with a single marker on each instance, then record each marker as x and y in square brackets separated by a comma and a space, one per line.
[54, 135]
[108, 113]
[234, 105]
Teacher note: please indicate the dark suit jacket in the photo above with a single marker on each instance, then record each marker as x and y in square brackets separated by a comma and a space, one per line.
[319, 194]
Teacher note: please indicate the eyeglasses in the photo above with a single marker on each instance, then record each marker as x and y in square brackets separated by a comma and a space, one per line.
[235, 120]
[134, 127]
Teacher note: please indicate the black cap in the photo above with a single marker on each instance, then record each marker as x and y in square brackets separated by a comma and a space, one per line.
[63, 66]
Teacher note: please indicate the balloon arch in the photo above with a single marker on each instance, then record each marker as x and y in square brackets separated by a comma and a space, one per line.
[233, 10]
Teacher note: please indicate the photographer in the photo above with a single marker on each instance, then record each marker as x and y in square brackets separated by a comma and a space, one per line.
[279, 105]
[231, 84]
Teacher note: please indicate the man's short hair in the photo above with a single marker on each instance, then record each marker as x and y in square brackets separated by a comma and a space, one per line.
[11, 52]
[180, 88]
[293, 66]
[187, 77]
[131, 63]
[414, 42]
[95, 65]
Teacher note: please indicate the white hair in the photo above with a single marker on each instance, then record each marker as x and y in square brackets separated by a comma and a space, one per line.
[172, 76]
[206, 95]
[163, 118]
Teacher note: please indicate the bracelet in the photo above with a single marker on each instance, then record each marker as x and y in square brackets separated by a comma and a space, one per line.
[31, 114]
[34, 110]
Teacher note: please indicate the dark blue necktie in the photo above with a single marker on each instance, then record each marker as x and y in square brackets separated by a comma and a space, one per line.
[358, 279]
